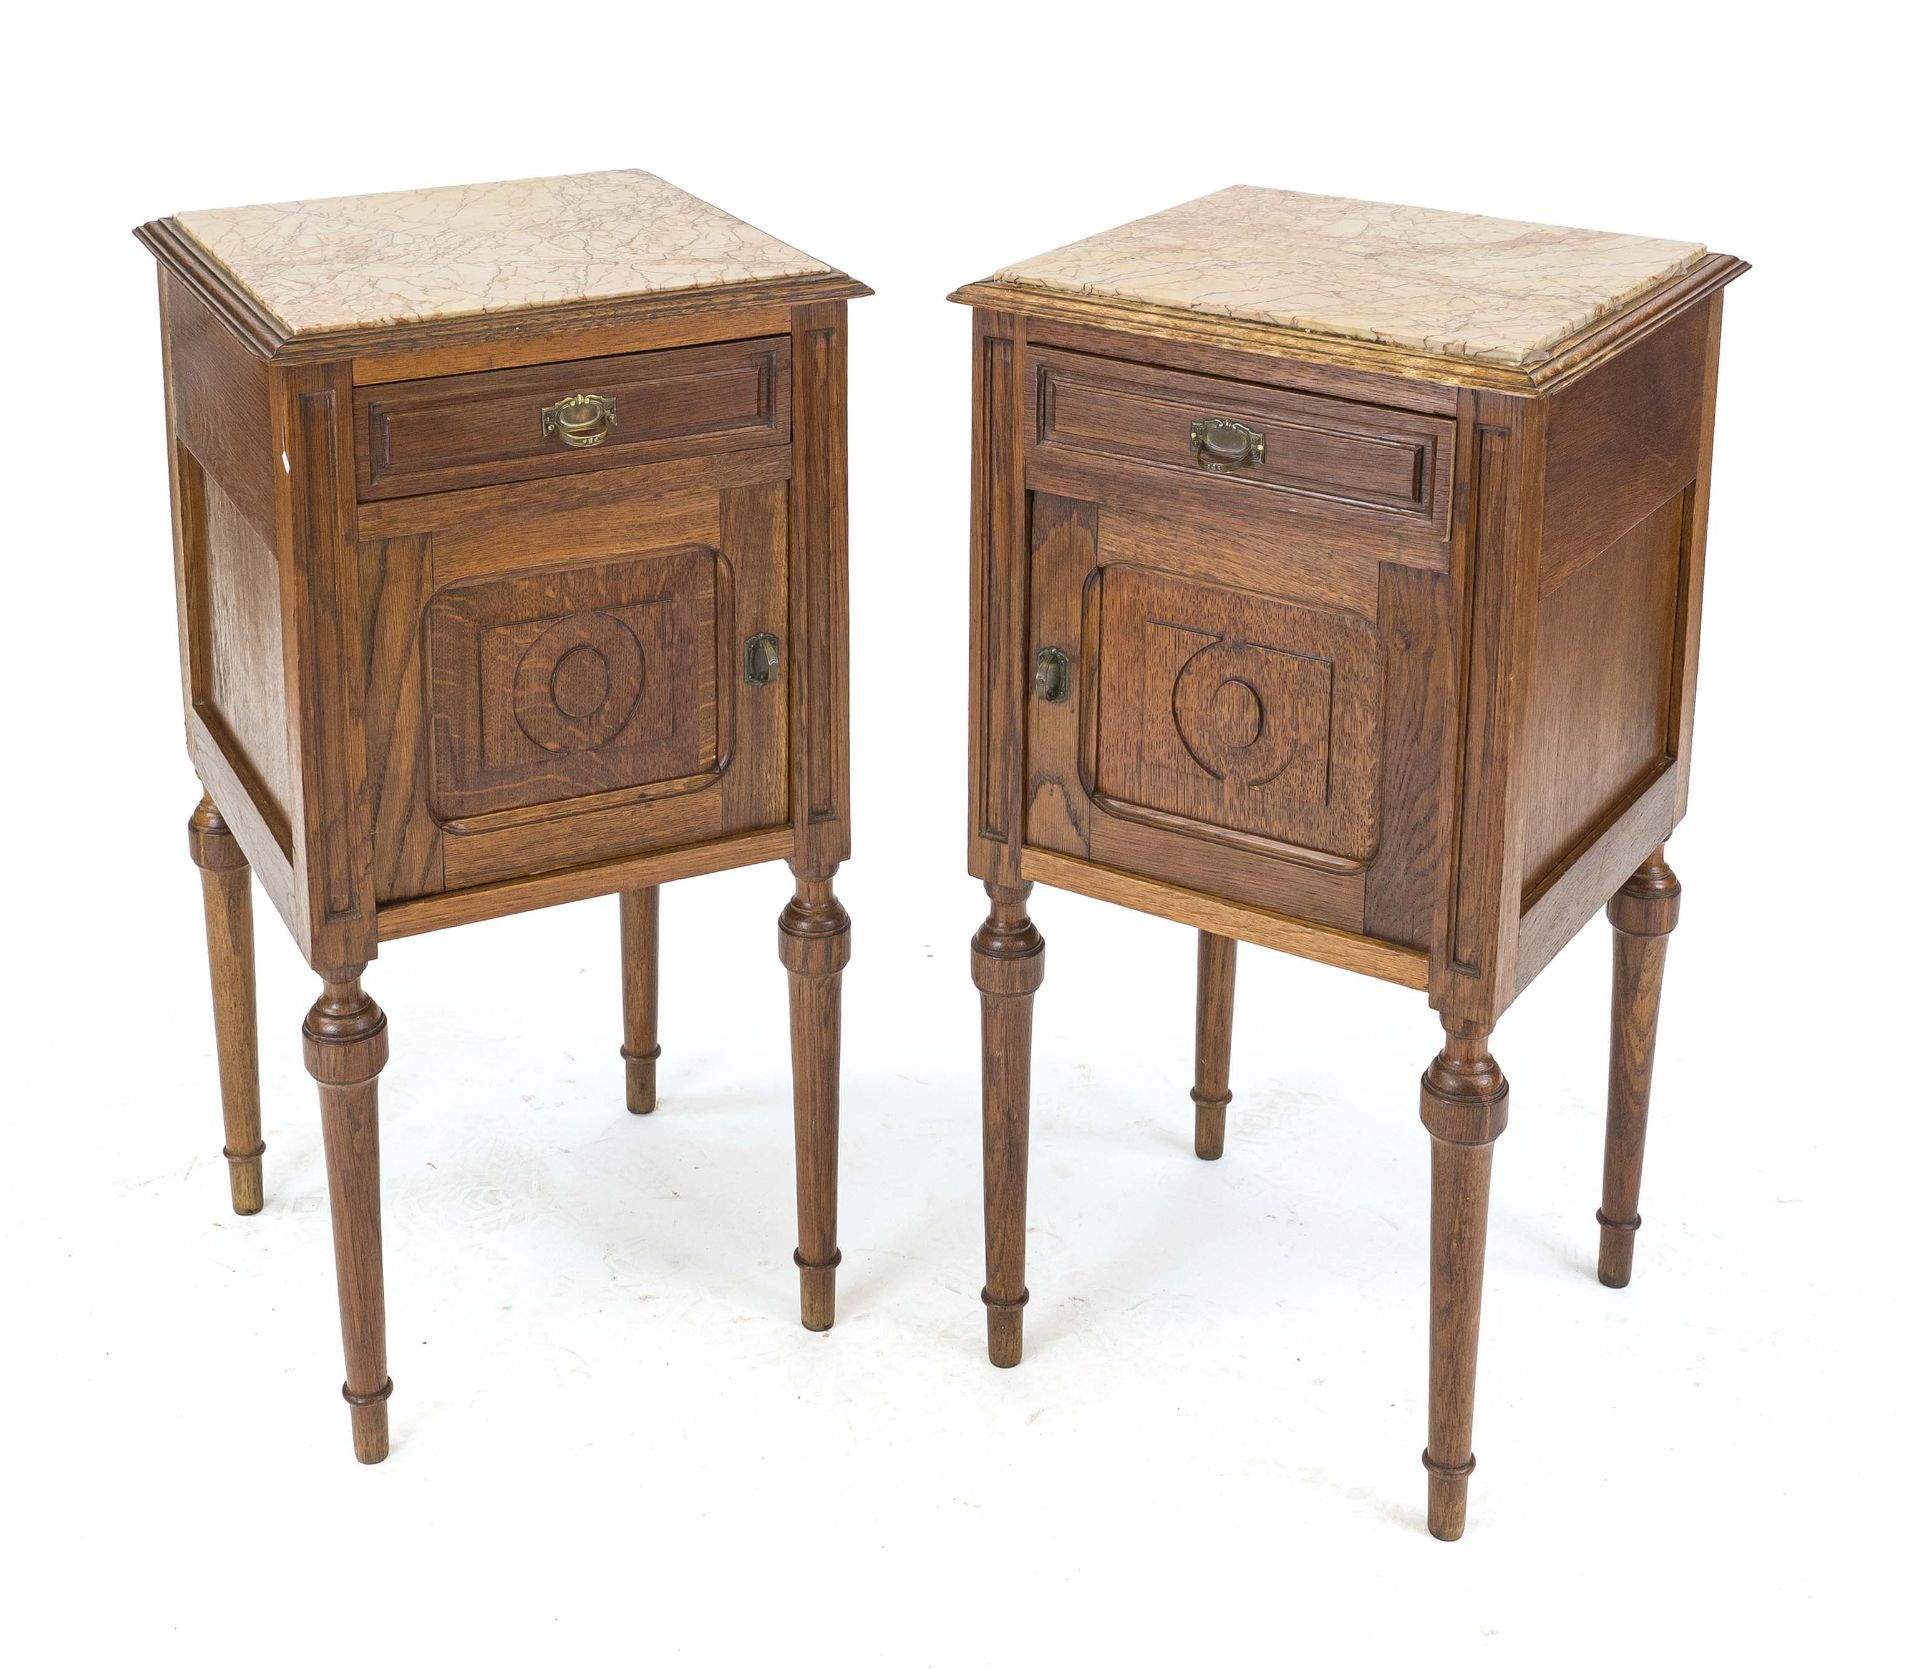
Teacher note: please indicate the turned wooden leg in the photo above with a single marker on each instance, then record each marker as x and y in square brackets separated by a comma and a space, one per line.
[815, 942]
[640, 989]
[1643, 913]
[1463, 1104]
[346, 1046]
[1213, 1045]
[1009, 961]
[226, 886]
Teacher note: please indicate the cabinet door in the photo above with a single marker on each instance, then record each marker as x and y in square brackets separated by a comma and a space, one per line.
[1224, 703]
[559, 675]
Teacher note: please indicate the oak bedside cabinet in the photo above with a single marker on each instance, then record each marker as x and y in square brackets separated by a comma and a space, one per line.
[1336, 588]
[510, 542]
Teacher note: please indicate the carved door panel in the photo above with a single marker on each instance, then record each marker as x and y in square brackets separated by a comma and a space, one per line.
[1211, 707]
[593, 680]
[549, 690]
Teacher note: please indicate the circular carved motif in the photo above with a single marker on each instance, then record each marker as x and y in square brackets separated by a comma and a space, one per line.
[577, 683]
[581, 682]
[1224, 701]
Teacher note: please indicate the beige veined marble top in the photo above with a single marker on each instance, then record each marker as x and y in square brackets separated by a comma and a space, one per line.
[339, 263]
[1463, 285]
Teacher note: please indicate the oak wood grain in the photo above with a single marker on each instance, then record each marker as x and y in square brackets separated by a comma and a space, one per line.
[1375, 957]
[508, 897]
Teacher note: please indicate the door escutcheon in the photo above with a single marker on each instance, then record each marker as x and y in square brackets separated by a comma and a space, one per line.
[1052, 674]
[761, 658]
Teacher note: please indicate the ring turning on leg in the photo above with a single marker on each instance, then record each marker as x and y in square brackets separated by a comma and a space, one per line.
[1009, 961]
[1213, 1045]
[1463, 1104]
[640, 992]
[816, 940]
[346, 1046]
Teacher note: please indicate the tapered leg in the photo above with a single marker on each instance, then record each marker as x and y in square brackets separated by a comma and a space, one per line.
[1643, 913]
[226, 887]
[346, 1046]
[1009, 961]
[815, 942]
[1213, 1045]
[640, 989]
[1463, 1104]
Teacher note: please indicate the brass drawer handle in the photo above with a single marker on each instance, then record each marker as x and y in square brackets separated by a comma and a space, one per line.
[1221, 446]
[580, 419]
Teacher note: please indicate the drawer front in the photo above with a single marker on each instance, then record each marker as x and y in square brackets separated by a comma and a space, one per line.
[555, 681]
[587, 414]
[1217, 706]
[1303, 451]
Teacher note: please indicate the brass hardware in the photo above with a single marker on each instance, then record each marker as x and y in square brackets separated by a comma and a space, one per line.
[761, 659]
[1052, 674]
[1221, 446]
[580, 419]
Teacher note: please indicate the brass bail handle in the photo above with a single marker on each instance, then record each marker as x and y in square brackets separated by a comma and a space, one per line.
[580, 419]
[1221, 446]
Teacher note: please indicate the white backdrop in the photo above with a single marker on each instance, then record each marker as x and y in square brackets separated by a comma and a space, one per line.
[611, 1436]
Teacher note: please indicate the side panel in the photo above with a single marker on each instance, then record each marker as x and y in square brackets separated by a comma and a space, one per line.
[229, 580]
[1600, 721]
[1610, 736]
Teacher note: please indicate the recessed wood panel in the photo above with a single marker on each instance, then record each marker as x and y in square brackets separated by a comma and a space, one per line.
[1598, 721]
[236, 649]
[1241, 712]
[584, 680]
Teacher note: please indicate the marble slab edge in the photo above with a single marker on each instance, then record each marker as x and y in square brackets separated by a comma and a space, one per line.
[1575, 354]
[267, 336]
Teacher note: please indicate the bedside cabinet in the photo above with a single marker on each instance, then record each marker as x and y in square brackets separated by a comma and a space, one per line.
[510, 545]
[1336, 588]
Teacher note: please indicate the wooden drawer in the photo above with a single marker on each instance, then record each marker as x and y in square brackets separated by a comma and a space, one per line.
[492, 426]
[1300, 449]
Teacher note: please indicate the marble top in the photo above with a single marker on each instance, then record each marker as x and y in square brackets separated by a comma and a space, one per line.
[337, 263]
[1463, 285]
